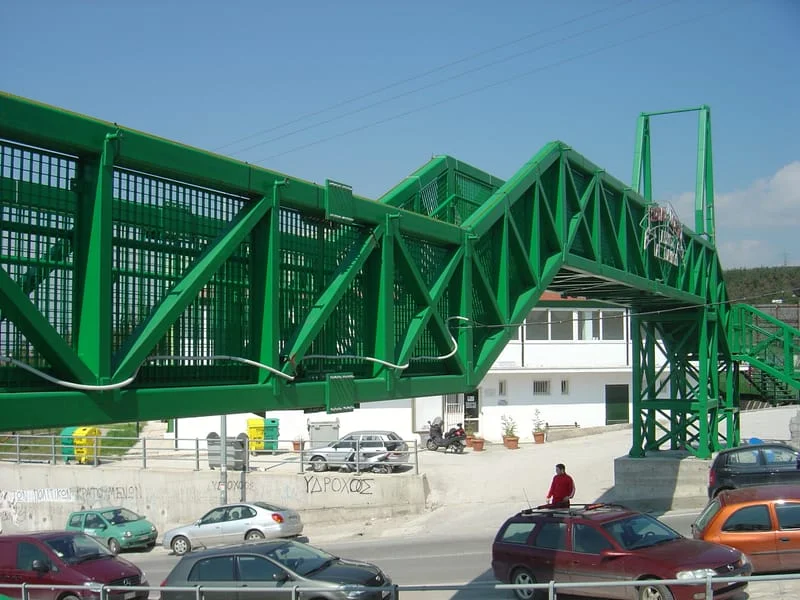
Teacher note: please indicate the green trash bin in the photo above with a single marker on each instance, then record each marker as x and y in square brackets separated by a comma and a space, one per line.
[68, 443]
[271, 434]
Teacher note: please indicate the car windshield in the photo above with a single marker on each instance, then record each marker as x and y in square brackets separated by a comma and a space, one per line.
[117, 516]
[74, 549]
[640, 531]
[301, 558]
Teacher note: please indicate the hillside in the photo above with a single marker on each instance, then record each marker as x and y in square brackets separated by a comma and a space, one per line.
[763, 284]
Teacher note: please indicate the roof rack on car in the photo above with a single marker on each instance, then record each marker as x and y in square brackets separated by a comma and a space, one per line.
[572, 509]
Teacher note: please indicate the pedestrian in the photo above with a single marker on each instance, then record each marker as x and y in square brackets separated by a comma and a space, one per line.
[562, 488]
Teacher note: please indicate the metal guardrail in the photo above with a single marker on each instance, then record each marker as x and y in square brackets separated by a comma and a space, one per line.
[151, 452]
[393, 591]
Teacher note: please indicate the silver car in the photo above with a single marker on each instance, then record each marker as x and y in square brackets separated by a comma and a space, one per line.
[233, 523]
[367, 450]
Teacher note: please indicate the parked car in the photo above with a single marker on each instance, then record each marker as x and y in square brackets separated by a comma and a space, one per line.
[367, 444]
[761, 521]
[59, 558]
[234, 523]
[116, 527]
[278, 566]
[605, 543]
[757, 464]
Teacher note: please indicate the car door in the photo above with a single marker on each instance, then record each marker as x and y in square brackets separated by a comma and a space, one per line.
[552, 561]
[750, 529]
[214, 572]
[208, 530]
[586, 564]
[341, 450]
[27, 553]
[781, 465]
[744, 467]
[259, 572]
[233, 527]
[95, 526]
[787, 516]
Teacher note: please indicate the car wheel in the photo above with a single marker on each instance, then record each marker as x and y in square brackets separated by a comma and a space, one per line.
[254, 534]
[523, 576]
[655, 592]
[114, 546]
[318, 464]
[180, 545]
[69, 597]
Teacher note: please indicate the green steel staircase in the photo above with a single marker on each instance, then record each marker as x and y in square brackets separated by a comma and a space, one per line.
[144, 279]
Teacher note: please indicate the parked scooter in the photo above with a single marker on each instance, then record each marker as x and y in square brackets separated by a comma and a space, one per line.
[453, 441]
[375, 463]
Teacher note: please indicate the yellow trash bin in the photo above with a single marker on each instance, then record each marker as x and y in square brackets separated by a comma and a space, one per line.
[83, 440]
[255, 431]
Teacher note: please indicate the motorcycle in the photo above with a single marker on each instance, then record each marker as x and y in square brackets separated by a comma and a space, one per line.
[453, 441]
[375, 463]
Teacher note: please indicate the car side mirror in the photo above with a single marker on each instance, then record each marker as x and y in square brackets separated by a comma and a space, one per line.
[612, 554]
[281, 577]
[198, 522]
[40, 566]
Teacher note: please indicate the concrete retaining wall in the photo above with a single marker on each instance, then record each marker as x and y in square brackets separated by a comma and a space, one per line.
[661, 481]
[36, 497]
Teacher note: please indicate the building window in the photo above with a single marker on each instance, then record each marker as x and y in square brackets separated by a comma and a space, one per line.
[541, 387]
[561, 325]
[536, 325]
[501, 387]
[588, 325]
[613, 324]
[565, 387]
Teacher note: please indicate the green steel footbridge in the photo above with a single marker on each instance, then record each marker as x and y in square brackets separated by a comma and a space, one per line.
[144, 279]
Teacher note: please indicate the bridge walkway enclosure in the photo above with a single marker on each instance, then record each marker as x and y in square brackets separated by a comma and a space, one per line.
[144, 279]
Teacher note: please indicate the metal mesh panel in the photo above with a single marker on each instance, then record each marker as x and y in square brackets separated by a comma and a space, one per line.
[37, 210]
[312, 250]
[160, 228]
[473, 192]
[488, 250]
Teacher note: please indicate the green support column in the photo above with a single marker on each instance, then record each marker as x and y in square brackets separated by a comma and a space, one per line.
[92, 291]
[637, 448]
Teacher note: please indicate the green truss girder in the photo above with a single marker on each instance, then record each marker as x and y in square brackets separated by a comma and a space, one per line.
[206, 258]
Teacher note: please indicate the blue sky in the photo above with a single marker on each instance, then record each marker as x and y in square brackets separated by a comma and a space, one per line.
[209, 74]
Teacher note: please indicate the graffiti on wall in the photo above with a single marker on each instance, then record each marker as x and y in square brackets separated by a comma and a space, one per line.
[338, 485]
[12, 501]
[107, 493]
[234, 485]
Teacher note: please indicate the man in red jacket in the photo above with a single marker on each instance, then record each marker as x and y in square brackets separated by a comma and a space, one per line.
[562, 489]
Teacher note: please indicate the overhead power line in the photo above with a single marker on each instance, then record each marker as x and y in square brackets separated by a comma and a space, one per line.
[457, 76]
[475, 90]
[419, 76]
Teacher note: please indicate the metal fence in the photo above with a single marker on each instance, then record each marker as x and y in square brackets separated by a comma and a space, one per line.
[703, 587]
[192, 453]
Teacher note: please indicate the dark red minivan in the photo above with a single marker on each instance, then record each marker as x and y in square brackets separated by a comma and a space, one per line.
[65, 558]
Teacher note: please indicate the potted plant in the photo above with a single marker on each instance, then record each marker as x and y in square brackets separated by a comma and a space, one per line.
[298, 443]
[538, 427]
[477, 442]
[510, 438]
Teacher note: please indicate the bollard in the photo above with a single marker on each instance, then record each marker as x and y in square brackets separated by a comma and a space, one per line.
[196, 454]
[144, 453]
[301, 458]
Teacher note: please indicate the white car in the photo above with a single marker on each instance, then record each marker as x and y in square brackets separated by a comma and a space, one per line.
[234, 523]
[357, 448]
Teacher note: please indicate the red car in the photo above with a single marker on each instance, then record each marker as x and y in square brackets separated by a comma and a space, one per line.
[59, 558]
[605, 543]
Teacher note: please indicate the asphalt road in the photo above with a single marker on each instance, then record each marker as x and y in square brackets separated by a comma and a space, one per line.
[408, 561]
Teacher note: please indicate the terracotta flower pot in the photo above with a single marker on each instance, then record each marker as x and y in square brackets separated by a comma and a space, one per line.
[477, 444]
[538, 437]
[511, 442]
[469, 441]
[297, 445]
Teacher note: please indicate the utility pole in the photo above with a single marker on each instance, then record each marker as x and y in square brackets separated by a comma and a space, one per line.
[223, 460]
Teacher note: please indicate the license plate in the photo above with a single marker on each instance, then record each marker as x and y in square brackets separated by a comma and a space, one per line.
[129, 595]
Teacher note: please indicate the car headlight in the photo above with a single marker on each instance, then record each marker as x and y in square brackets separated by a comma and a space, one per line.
[94, 586]
[152, 527]
[128, 534]
[743, 561]
[695, 574]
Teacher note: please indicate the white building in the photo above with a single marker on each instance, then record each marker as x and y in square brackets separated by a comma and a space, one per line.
[570, 360]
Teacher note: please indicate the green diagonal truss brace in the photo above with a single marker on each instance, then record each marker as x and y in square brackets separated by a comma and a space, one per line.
[187, 283]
